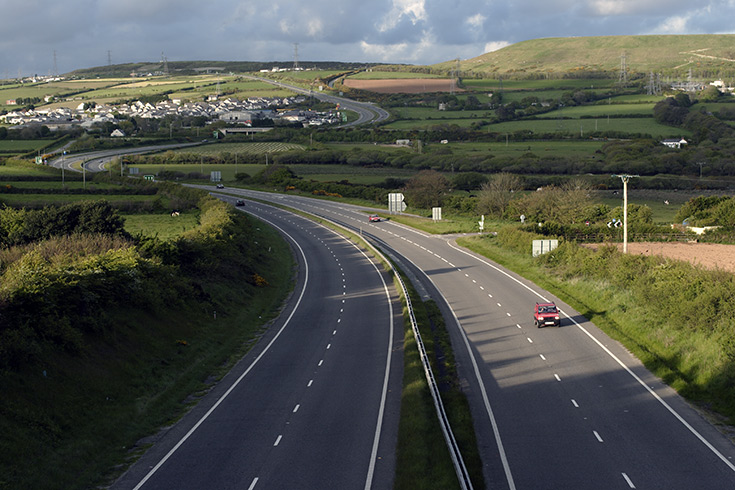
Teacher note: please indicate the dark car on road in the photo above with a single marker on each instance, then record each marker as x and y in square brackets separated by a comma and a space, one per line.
[239, 202]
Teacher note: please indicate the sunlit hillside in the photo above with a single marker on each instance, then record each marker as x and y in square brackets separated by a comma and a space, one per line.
[707, 55]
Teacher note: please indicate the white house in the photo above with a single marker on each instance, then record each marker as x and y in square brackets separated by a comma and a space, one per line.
[675, 143]
[117, 134]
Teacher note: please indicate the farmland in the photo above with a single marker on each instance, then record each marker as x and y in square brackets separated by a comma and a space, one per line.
[260, 148]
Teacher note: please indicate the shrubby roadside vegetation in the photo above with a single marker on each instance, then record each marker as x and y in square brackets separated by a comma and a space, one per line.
[103, 334]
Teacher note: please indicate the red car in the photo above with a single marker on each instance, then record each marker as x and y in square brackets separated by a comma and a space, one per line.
[374, 217]
[546, 314]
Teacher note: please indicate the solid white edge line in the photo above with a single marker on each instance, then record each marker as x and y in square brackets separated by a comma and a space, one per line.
[247, 371]
[614, 357]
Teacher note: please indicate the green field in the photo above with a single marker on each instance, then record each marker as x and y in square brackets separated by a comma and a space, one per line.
[638, 125]
[602, 110]
[435, 114]
[260, 148]
[537, 85]
[22, 146]
[34, 200]
[163, 226]
[69, 184]
[29, 169]
[561, 148]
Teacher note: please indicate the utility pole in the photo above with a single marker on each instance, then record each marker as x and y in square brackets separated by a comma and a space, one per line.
[625, 179]
[701, 164]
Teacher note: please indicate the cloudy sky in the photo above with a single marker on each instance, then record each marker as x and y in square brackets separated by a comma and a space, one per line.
[83, 32]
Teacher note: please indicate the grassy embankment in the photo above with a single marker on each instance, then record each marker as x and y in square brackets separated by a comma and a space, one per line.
[114, 362]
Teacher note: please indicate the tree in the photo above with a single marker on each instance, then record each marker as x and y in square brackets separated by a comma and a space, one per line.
[567, 204]
[709, 94]
[426, 189]
[469, 181]
[496, 195]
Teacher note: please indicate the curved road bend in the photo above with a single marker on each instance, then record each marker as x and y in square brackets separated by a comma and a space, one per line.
[96, 160]
[553, 407]
[315, 403]
[367, 113]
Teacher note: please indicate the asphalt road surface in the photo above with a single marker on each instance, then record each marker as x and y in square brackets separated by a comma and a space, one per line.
[315, 403]
[554, 408]
[366, 113]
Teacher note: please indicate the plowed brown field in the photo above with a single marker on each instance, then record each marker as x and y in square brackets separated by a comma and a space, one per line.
[403, 85]
[708, 255]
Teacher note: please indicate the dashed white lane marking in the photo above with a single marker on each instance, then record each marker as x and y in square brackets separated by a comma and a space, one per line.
[329, 346]
[321, 362]
[278, 440]
[518, 325]
[557, 377]
[542, 357]
[628, 481]
[334, 332]
[574, 402]
[255, 482]
[508, 314]
[599, 439]
[529, 340]
[296, 408]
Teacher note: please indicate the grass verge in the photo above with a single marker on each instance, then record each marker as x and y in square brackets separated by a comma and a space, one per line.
[423, 459]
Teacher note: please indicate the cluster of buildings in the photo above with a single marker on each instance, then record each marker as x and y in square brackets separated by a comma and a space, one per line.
[233, 111]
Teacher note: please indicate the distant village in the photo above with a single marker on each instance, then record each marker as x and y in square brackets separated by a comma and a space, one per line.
[233, 111]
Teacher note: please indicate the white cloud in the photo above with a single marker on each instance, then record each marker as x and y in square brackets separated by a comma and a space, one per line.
[383, 52]
[476, 21]
[414, 10]
[631, 7]
[674, 25]
[494, 46]
[314, 27]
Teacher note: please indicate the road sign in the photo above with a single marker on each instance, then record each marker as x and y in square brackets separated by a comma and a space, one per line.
[149, 177]
[436, 214]
[395, 203]
[215, 176]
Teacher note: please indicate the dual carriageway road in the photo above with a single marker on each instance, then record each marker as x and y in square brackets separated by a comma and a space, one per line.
[553, 408]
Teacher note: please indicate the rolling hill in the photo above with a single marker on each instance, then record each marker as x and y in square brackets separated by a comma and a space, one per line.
[707, 55]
